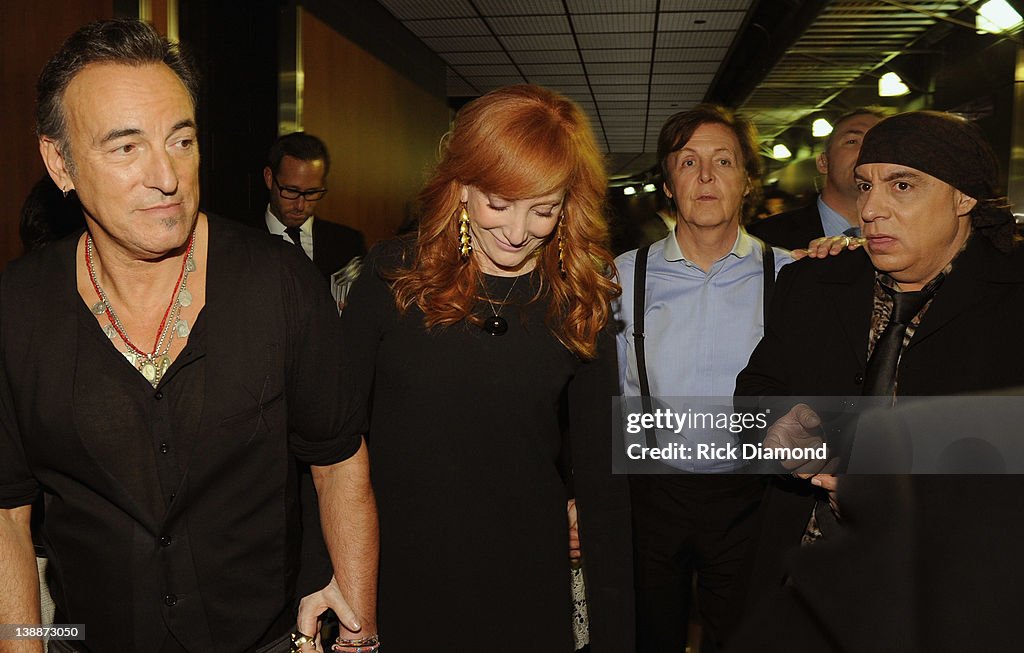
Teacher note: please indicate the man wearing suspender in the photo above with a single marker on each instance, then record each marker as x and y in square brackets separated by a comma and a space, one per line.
[692, 309]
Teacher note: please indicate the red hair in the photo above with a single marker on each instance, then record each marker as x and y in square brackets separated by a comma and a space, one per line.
[517, 142]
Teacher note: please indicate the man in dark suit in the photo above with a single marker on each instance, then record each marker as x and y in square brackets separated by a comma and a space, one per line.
[933, 306]
[296, 178]
[835, 211]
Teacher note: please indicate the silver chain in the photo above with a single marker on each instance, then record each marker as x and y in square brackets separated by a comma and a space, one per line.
[172, 316]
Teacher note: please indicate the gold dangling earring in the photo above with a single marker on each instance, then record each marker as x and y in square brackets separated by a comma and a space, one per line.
[64, 189]
[465, 240]
[561, 246]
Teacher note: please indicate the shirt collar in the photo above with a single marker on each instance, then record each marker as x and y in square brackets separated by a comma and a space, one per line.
[832, 222]
[741, 247]
[276, 227]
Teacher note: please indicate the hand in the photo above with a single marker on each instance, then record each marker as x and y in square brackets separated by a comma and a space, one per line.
[799, 428]
[829, 246]
[574, 532]
[315, 604]
[829, 483]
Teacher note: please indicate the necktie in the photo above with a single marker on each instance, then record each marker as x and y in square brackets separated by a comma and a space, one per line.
[852, 232]
[880, 376]
[296, 235]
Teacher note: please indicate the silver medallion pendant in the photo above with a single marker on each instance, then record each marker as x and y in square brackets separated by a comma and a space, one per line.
[110, 331]
[148, 370]
[190, 264]
[185, 297]
[99, 308]
[181, 328]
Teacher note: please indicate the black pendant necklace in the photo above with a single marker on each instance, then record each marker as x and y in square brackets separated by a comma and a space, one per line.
[496, 325]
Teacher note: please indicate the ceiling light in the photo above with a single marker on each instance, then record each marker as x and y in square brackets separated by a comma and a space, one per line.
[650, 188]
[890, 85]
[629, 190]
[996, 16]
[820, 127]
[780, 151]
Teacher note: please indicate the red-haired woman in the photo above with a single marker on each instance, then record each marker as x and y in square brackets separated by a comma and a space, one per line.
[482, 340]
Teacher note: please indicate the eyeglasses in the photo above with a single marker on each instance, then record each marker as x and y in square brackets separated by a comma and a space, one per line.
[290, 193]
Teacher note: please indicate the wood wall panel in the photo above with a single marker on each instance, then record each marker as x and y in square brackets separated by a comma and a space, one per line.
[29, 35]
[382, 131]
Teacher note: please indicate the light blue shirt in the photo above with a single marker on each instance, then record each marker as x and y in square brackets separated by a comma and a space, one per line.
[832, 223]
[700, 327]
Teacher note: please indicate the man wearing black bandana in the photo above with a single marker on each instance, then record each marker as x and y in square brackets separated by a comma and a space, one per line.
[939, 250]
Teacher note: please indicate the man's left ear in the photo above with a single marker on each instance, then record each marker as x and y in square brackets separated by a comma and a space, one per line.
[746, 188]
[964, 203]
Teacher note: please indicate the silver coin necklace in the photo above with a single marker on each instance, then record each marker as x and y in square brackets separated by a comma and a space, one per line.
[152, 365]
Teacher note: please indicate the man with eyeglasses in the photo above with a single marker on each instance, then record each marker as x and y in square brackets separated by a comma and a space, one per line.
[296, 177]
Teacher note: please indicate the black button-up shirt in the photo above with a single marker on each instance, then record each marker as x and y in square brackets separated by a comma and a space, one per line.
[172, 514]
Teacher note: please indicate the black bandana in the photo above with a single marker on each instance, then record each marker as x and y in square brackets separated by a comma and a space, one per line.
[952, 150]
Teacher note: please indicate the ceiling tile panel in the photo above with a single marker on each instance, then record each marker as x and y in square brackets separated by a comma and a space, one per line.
[637, 68]
[690, 54]
[632, 105]
[601, 94]
[700, 21]
[530, 25]
[462, 44]
[478, 58]
[670, 67]
[682, 78]
[520, 7]
[413, 9]
[613, 23]
[545, 56]
[494, 80]
[617, 80]
[611, 6]
[613, 56]
[539, 42]
[695, 39]
[448, 27]
[558, 80]
[642, 40]
[575, 68]
[574, 92]
[507, 70]
[706, 5]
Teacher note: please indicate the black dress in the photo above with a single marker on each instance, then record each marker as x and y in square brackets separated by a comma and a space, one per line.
[465, 440]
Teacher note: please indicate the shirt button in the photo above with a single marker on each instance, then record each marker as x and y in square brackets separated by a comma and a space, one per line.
[164, 447]
[858, 379]
[166, 540]
[158, 395]
[170, 600]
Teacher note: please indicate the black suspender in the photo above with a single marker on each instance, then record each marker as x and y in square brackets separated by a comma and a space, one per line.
[639, 301]
[768, 260]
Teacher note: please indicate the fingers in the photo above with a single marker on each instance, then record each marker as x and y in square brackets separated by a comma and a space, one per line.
[310, 608]
[806, 416]
[825, 481]
[830, 246]
[798, 254]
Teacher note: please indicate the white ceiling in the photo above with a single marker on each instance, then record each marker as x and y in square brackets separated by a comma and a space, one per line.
[629, 63]
[633, 63]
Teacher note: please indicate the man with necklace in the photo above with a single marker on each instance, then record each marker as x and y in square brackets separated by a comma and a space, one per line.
[161, 373]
